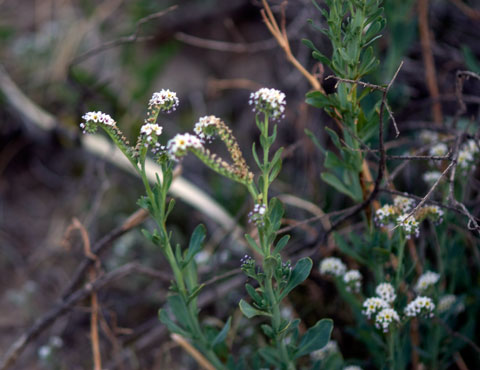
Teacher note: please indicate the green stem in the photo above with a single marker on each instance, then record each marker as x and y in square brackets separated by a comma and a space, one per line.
[277, 322]
[266, 164]
[391, 349]
[400, 255]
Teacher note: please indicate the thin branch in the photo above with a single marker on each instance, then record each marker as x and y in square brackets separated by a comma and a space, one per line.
[42, 323]
[134, 37]
[224, 46]
[182, 342]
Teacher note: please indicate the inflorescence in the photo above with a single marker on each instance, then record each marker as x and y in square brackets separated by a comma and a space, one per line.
[271, 102]
[399, 213]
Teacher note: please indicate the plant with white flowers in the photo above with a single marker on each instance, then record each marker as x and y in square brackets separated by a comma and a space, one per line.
[275, 278]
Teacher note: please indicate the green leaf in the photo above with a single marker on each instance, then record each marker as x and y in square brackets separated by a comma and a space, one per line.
[195, 244]
[333, 162]
[171, 204]
[268, 330]
[276, 213]
[322, 58]
[271, 355]
[318, 99]
[253, 293]
[299, 275]
[314, 139]
[195, 292]
[250, 311]
[332, 180]
[179, 308]
[255, 156]
[172, 327]
[334, 137]
[223, 333]
[281, 243]
[315, 338]
[253, 244]
[269, 265]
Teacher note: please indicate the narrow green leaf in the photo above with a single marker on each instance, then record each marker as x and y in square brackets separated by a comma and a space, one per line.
[179, 308]
[314, 139]
[281, 243]
[223, 333]
[315, 338]
[253, 244]
[332, 180]
[172, 327]
[253, 293]
[299, 274]
[250, 311]
[195, 244]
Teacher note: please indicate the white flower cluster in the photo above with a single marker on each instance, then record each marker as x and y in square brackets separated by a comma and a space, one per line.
[332, 266]
[397, 213]
[385, 318]
[257, 215]
[353, 280]
[420, 306]
[352, 367]
[381, 307]
[431, 177]
[428, 137]
[321, 354]
[147, 129]
[439, 149]
[385, 215]
[404, 204]
[373, 305]
[164, 100]
[466, 155]
[177, 146]
[386, 292]
[448, 301]
[201, 127]
[95, 117]
[426, 280]
[269, 101]
[409, 225]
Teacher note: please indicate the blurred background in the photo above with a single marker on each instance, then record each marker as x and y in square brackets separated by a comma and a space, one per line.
[73, 56]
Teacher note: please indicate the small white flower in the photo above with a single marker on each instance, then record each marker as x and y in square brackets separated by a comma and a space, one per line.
[420, 306]
[386, 292]
[384, 215]
[148, 128]
[164, 100]
[352, 367]
[439, 149]
[321, 354]
[426, 280]
[44, 352]
[332, 266]
[465, 158]
[472, 147]
[431, 177]
[353, 280]
[91, 118]
[448, 301]
[428, 137]
[269, 101]
[203, 128]
[373, 305]
[404, 204]
[177, 147]
[257, 215]
[385, 318]
[409, 225]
